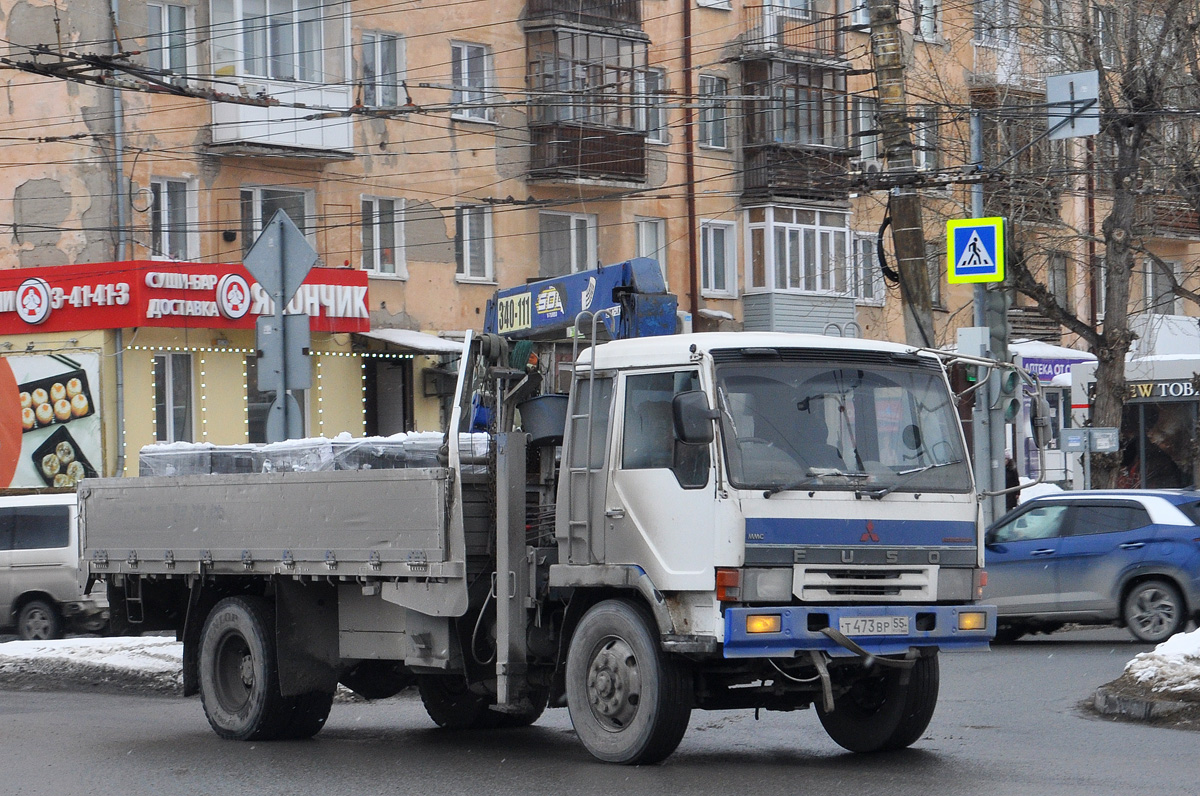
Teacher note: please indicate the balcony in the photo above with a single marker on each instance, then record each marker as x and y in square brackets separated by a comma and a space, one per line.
[601, 13]
[571, 151]
[796, 171]
[253, 128]
[792, 29]
[1033, 200]
[1161, 216]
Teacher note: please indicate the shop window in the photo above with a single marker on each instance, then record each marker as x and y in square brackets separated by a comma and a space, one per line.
[383, 236]
[173, 400]
[169, 212]
[258, 404]
[566, 243]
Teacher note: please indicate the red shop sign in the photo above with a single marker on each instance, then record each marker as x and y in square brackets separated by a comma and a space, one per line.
[122, 295]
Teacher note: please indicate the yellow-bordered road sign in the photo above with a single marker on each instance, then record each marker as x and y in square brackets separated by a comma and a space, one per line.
[975, 250]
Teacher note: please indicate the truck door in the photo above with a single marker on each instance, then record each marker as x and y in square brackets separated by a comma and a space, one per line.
[659, 510]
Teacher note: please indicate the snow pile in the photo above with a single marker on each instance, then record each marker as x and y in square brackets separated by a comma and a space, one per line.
[150, 663]
[1172, 668]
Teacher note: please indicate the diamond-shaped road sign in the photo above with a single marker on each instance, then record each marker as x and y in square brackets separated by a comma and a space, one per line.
[281, 257]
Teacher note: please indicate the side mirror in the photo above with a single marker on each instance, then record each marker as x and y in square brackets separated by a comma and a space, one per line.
[692, 418]
[1039, 420]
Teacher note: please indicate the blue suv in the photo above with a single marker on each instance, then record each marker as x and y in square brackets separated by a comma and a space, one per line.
[1120, 557]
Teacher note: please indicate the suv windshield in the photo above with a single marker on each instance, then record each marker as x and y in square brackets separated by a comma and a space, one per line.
[818, 425]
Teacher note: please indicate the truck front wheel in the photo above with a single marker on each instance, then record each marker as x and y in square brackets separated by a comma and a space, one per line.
[629, 701]
[239, 675]
[880, 713]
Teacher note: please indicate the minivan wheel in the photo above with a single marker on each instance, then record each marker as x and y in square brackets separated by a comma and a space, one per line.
[1154, 611]
[38, 621]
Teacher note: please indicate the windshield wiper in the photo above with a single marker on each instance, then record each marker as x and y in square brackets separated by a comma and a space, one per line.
[814, 474]
[909, 475]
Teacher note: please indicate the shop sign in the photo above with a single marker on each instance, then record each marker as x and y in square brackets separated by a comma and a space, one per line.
[1047, 369]
[49, 420]
[1162, 389]
[151, 293]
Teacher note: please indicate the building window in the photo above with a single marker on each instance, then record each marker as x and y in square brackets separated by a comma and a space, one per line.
[925, 18]
[469, 76]
[1052, 25]
[655, 122]
[1160, 295]
[1056, 279]
[1099, 285]
[473, 243]
[590, 78]
[925, 138]
[860, 15]
[381, 59]
[166, 38]
[994, 21]
[652, 241]
[566, 243]
[718, 259]
[867, 278]
[935, 257]
[713, 91]
[277, 39]
[799, 249]
[796, 103]
[258, 404]
[169, 211]
[383, 236]
[866, 128]
[1106, 35]
[173, 397]
[259, 204]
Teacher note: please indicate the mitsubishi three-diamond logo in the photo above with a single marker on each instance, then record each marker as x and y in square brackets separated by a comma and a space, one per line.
[869, 535]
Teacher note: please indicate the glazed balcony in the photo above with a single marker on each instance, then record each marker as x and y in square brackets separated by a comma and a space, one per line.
[791, 28]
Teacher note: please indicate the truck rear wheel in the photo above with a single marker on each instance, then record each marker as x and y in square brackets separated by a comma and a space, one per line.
[878, 713]
[451, 703]
[239, 675]
[629, 701]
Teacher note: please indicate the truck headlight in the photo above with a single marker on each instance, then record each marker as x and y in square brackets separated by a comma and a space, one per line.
[763, 623]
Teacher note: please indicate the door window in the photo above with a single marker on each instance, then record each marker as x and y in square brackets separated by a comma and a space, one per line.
[1093, 518]
[648, 441]
[1041, 522]
[38, 527]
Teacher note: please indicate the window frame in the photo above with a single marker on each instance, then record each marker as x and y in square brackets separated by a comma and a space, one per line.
[659, 252]
[591, 243]
[462, 244]
[708, 287]
[376, 90]
[165, 399]
[927, 22]
[371, 256]
[460, 62]
[251, 226]
[712, 119]
[801, 234]
[1151, 287]
[160, 55]
[865, 127]
[164, 229]
[926, 153]
[861, 272]
[654, 113]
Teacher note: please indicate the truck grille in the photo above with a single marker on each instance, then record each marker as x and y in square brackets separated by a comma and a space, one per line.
[865, 583]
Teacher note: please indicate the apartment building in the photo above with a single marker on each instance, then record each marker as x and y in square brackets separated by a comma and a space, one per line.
[441, 150]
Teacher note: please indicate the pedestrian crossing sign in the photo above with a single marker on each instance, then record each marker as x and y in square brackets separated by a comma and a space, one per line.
[974, 250]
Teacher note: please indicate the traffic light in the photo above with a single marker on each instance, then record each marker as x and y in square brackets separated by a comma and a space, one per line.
[996, 303]
[1006, 393]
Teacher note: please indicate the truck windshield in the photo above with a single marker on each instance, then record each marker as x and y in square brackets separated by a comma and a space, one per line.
[822, 426]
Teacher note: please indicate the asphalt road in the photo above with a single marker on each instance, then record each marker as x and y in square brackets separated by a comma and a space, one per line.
[1009, 722]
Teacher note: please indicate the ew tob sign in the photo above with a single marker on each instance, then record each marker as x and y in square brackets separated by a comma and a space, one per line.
[152, 293]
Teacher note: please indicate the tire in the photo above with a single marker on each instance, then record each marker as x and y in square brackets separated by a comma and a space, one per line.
[509, 721]
[629, 701]
[451, 703]
[239, 675]
[38, 620]
[1154, 611]
[309, 713]
[879, 714]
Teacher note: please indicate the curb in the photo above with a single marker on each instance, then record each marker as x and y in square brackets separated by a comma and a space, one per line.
[1108, 702]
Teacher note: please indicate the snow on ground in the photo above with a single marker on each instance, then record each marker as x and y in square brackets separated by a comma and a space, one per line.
[1172, 668]
[151, 663]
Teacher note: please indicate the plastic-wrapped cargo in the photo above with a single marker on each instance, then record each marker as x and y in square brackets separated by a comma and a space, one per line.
[369, 453]
[298, 455]
[421, 449]
[175, 458]
[230, 459]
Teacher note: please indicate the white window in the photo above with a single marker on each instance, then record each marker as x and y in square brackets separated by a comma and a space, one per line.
[867, 278]
[381, 70]
[926, 22]
[860, 15]
[171, 210]
[166, 38]
[469, 76]
[925, 137]
[473, 243]
[1056, 278]
[652, 241]
[866, 128]
[654, 121]
[1160, 296]
[277, 39]
[566, 243]
[718, 258]
[1106, 35]
[935, 260]
[713, 91]
[1099, 285]
[994, 21]
[173, 398]
[383, 236]
[259, 204]
[799, 249]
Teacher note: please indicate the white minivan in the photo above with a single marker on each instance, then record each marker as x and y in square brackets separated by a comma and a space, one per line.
[41, 594]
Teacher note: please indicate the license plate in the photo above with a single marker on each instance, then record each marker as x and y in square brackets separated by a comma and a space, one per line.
[873, 625]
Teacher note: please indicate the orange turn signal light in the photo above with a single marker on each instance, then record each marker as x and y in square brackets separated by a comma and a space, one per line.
[764, 623]
[729, 585]
[972, 620]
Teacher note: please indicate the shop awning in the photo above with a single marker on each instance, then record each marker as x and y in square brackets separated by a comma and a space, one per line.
[417, 342]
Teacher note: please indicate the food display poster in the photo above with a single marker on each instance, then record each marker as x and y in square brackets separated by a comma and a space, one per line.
[49, 419]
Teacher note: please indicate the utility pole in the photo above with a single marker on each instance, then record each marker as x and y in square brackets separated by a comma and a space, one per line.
[908, 232]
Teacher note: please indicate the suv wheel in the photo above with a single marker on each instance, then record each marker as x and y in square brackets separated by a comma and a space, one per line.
[1154, 611]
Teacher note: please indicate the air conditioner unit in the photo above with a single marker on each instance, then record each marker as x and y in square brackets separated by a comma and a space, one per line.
[870, 166]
